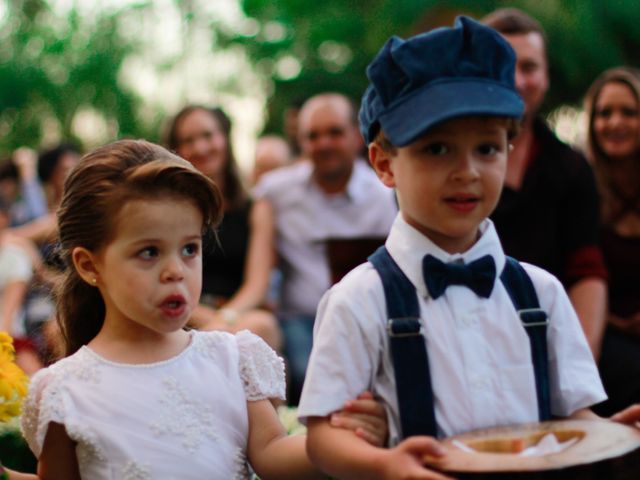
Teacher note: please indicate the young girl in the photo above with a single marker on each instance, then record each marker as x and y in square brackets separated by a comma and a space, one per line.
[137, 396]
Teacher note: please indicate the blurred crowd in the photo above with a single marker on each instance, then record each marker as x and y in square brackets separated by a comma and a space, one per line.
[311, 209]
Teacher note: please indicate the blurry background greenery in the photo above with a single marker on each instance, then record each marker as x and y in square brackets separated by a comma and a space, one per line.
[95, 70]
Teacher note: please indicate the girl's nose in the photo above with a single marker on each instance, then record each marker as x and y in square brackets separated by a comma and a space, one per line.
[173, 270]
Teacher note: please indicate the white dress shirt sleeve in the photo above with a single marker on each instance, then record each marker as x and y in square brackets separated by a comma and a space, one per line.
[573, 375]
[347, 344]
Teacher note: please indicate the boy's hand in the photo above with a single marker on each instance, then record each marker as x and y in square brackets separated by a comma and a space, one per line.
[629, 416]
[366, 417]
[406, 460]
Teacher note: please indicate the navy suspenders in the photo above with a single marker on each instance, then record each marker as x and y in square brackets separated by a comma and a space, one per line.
[409, 350]
[535, 320]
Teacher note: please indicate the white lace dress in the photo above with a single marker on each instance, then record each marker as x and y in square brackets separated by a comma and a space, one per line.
[183, 418]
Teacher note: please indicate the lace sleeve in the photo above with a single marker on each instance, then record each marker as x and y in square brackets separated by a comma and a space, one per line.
[42, 405]
[261, 370]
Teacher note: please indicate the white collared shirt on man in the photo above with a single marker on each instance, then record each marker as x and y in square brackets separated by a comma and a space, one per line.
[479, 353]
[306, 217]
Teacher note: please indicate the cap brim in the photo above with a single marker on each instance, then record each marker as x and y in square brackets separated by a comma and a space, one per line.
[407, 121]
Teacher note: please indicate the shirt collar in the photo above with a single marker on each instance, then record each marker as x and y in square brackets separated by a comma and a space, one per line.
[407, 246]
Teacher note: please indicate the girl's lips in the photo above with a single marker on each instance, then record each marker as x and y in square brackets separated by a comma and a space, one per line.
[173, 305]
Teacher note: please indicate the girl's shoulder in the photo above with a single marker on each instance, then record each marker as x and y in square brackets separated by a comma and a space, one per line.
[242, 344]
[212, 343]
[79, 364]
[77, 368]
[261, 369]
[47, 401]
[259, 366]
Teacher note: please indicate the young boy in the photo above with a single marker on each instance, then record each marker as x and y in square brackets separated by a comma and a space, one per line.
[437, 116]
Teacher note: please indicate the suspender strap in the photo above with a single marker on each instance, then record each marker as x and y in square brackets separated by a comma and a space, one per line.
[535, 321]
[408, 348]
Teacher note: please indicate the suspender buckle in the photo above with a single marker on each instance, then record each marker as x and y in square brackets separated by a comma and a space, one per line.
[404, 327]
[533, 317]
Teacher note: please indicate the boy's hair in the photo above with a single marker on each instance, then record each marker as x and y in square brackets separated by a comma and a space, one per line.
[94, 193]
[446, 73]
[234, 191]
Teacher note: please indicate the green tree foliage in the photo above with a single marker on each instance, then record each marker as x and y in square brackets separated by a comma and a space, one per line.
[51, 67]
[306, 47]
[55, 65]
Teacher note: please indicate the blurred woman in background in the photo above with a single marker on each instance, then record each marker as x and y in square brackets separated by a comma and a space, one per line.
[612, 104]
[236, 265]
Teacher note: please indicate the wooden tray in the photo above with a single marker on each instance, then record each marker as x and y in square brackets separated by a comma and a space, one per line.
[600, 446]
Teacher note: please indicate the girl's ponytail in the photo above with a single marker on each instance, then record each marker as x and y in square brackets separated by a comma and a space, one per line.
[80, 311]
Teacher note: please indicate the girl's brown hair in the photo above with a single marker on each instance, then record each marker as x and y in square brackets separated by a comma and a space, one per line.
[234, 192]
[95, 191]
[613, 202]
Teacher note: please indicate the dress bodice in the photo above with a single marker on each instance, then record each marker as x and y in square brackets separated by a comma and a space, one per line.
[182, 418]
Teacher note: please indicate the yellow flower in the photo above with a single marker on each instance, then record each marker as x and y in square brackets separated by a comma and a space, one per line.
[6, 345]
[13, 381]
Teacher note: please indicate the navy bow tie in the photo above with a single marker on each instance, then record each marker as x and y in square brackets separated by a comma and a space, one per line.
[478, 275]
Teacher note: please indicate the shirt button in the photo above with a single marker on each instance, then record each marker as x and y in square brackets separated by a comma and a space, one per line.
[466, 320]
[481, 383]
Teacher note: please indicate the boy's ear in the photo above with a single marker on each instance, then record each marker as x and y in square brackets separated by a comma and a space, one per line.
[85, 264]
[380, 159]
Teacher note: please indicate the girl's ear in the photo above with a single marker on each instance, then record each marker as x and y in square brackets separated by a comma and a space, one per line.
[380, 160]
[85, 264]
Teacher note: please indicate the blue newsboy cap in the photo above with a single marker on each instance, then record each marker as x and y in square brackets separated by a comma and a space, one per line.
[436, 76]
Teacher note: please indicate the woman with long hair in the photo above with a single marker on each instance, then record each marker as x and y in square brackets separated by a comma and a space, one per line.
[236, 265]
[612, 104]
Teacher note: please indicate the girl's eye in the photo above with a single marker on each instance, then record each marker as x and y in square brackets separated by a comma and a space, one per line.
[630, 112]
[436, 148]
[148, 253]
[488, 149]
[190, 250]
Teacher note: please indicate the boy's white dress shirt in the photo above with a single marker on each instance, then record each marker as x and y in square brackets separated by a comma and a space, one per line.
[479, 353]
